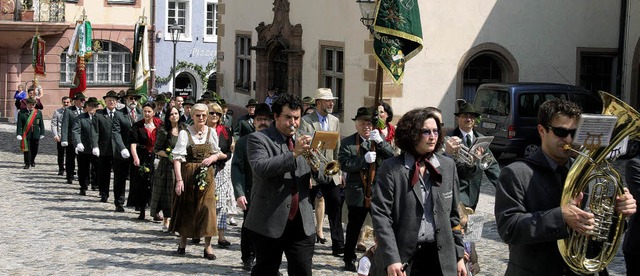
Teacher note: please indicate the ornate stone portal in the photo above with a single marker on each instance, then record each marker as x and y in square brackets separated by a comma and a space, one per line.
[279, 54]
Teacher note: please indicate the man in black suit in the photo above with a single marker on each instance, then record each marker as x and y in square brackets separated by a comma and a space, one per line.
[69, 115]
[357, 160]
[631, 244]
[104, 135]
[83, 140]
[160, 102]
[244, 125]
[241, 177]
[122, 161]
[227, 119]
[29, 131]
[281, 216]
[186, 115]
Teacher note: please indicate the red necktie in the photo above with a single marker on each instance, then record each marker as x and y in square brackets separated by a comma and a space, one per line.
[434, 175]
[294, 190]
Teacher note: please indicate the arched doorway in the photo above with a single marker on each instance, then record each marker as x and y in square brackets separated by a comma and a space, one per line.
[186, 85]
[485, 63]
[212, 81]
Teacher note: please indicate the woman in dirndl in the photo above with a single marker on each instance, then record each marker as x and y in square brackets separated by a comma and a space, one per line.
[194, 205]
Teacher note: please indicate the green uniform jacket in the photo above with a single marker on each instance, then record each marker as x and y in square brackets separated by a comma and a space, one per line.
[37, 129]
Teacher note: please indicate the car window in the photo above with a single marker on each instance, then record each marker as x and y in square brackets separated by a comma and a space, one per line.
[492, 102]
[528, 104]
[554, 95]
[589, 103]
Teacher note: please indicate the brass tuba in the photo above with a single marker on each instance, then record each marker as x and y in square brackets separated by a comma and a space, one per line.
[318, 161]
[591, 253]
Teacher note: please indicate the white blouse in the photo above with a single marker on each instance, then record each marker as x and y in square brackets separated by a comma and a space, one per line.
[180, 150]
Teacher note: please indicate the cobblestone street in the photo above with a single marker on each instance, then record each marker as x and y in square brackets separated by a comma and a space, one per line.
[47, 228]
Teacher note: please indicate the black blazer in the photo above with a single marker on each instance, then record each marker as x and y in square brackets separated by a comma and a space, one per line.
[104, 133]
[122, 130]
[243, 127]
[69, 115]
[631, 243]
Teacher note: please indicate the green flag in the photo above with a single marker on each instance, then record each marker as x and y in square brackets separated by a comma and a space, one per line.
[398, 35]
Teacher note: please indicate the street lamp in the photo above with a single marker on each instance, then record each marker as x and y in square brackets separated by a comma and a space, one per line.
[175, 34]
[368, 9]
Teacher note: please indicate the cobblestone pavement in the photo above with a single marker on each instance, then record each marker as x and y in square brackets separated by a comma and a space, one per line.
[47, 228]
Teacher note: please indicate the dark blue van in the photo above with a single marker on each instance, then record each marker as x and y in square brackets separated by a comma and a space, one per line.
[509, 112]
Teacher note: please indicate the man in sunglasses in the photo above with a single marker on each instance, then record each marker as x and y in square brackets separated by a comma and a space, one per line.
[69, 116]
[470, 175]
[528, 212]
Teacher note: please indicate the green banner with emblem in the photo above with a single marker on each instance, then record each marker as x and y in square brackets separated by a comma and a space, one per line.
[397, 35]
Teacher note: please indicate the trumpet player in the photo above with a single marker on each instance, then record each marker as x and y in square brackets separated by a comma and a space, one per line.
[360, 162]
[470, 175]
[281, 217]
[528, 212]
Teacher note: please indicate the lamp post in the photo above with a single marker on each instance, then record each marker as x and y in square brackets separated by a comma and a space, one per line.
[175, 34]
[368, 9]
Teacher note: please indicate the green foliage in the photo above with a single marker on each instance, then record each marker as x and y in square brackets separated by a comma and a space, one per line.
[202, 72]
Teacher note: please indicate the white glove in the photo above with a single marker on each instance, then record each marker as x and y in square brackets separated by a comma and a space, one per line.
[80, 147]
[96, 151]
[19, 137]
[41, 136]
[76, 150]
[125, 153]
[370, 157]
[64, 144]
[156, 161]
[375, 136]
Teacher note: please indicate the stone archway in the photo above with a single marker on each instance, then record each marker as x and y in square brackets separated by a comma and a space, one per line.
[279, 53]
[188, 83]
[489, 55]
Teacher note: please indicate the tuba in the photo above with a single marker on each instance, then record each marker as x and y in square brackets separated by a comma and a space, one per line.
[318, 161]
[592, 252]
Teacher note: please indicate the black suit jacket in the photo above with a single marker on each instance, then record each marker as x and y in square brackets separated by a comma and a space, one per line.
[631, 243]
[104, 133]
[67, 124]
[241, 175]
[243, 127]
[83, 126]
[122, 130]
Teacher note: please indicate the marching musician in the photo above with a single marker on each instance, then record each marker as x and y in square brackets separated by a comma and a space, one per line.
[360, 155]
[470, 175]
[528, 212]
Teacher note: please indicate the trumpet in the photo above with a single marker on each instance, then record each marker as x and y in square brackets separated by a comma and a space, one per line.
[464, 155]
[318, 161]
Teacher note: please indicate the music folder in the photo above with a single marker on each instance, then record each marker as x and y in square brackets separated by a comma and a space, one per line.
[325, 140]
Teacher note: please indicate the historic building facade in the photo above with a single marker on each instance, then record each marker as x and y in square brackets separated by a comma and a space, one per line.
[298, 46]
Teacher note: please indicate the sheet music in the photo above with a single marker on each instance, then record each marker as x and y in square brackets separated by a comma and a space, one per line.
[594, 129]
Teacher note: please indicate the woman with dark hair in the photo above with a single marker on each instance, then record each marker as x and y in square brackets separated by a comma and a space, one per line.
[164, 180]
[415, 204]
[385, 113]
[144, 139]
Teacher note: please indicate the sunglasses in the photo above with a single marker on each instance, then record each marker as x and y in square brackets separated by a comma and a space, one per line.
[429, 132]
[215, 113]
[562, 132]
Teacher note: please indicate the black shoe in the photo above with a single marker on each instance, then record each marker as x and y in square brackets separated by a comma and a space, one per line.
[248, 265]
[26, 166]
[181, 251]
[94, 188]
[141, 216]
[103, 199]
[69, 181]
[119, 209]
[60, 172]
[209, 256]
[223, 244]
[33, 165]
[195, 240]
[83, 192]
[350, 265]
[321, 240]
[337, 252]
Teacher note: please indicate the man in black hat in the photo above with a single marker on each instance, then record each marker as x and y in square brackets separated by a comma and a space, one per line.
[470, 175]
[241, 177]
[227, 119]
[68, 117]
[122, 161]
[160, 102]
[106, 144]
[85, 146]
[29, 131]
[186, 115]
[244, 125]
[360, 155]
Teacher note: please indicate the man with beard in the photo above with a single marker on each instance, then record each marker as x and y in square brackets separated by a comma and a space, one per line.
[122, 162]
[68, 117]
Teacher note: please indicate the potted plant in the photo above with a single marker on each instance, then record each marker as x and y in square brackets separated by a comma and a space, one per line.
[27, 10]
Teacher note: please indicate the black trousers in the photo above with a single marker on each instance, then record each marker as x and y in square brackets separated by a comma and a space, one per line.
[105, 163]
[356, 216]
[633, 266]
[30, 156]
[85, 162]
[70, 163]
[120, 173]
[61, 154]
[333, 201]
[296, 245]
[425, 260]
[246, 245]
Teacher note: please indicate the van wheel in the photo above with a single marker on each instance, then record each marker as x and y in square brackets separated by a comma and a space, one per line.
[528, 150]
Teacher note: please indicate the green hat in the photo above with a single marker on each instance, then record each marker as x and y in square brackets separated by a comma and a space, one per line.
[160, 98]
[79, 96]
[132, 93]
[308, 100]
[467, 108]
[30, 100]
[222, 103]
[111, 94]
[364, 113]
[92, 101]
[251, 102]
[188, 101]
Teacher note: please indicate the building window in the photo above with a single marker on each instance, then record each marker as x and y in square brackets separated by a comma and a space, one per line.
[482, 69]
[597, 71]
[179, 12]
[333, 74]
[109, 67]
[121, 1]
[243, 62]
[211, 30]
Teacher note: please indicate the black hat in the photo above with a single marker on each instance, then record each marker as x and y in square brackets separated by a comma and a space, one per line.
[112, 94]
[207, 96]
[262, 110]
[160, 98]
[466, 108]
[308, 100]
[92, 101]
[251, 102]
[364, 113]
[132, 93]
[30, 100]
[79, 96]
[188, 101]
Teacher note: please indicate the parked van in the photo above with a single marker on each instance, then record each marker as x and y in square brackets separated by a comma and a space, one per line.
[510, 112]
